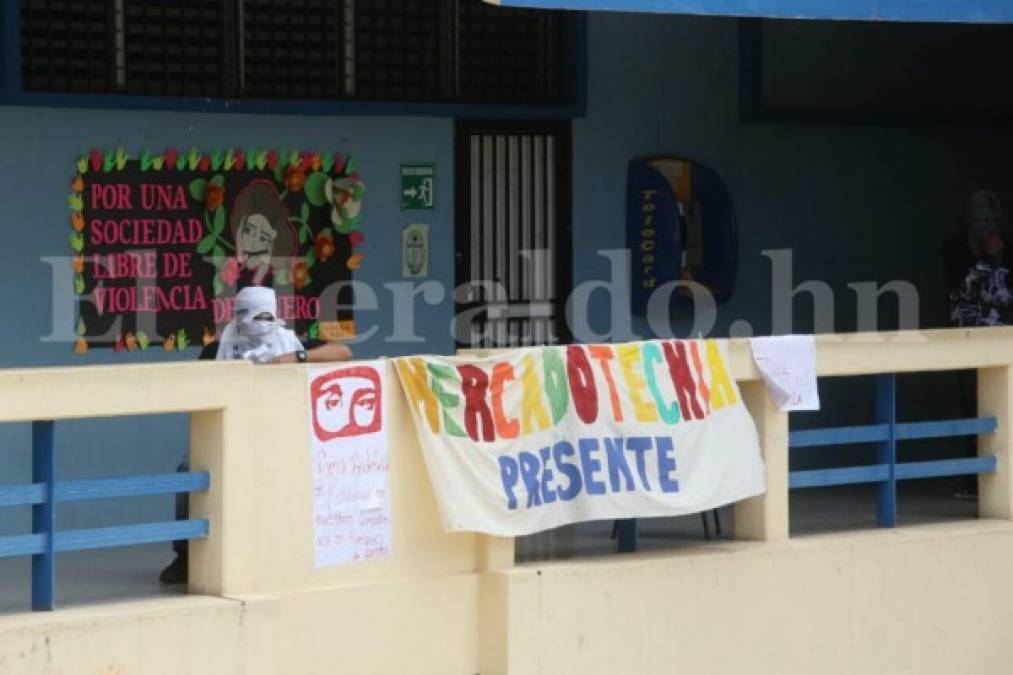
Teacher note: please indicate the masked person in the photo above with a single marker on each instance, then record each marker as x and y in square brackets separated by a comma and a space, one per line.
[980, 296]
[983, 297]
[256, 334]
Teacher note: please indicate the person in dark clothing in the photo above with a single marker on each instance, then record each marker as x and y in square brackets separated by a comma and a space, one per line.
[977, 276]
[256, 335]
[982, 298]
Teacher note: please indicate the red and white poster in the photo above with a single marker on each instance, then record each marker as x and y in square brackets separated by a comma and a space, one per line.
[351, 469]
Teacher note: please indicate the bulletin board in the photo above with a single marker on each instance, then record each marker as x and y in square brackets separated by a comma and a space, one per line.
[160, 243]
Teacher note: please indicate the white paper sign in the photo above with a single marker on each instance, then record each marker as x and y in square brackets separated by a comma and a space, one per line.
[351, 472]
[788, 365]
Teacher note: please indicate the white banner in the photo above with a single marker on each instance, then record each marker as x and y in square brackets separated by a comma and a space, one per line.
[351, 473]
[531, 439]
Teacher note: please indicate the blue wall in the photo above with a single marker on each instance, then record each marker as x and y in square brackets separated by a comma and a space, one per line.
[39, 146]
[855, 204]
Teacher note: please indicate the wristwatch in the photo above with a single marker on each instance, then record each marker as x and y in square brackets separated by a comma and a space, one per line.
[300, 356]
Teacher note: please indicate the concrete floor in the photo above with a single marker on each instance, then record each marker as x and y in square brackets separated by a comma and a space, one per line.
[130, 573]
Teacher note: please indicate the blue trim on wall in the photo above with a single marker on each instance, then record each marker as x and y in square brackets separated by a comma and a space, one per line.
[573, 72]
[953, 11]
[293, 107]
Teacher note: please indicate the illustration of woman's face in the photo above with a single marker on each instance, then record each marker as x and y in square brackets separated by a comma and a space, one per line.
[346, 403]
[255, 241]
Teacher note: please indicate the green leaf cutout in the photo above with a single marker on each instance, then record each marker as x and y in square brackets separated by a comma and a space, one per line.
[315, 188]
[219, 224]
[198, 189]
[206, 244]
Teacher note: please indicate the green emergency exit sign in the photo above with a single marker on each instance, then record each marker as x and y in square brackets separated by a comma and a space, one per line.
[418, 183]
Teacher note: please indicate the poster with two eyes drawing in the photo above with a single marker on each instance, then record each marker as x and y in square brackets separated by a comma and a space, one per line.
[161, 243]
[350, 463]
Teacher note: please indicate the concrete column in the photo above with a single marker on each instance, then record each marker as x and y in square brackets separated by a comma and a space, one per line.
[765, 518]
[493, 553]
[995, 399]
[222, 564]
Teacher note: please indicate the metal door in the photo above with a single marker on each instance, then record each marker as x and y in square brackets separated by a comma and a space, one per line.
[513, 248]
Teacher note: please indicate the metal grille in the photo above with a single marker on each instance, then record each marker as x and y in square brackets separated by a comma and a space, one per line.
[516, 242]
[506, 55]
[291, 48]
[403, 50]
[179, 48]
[67, 46]
[397, 50]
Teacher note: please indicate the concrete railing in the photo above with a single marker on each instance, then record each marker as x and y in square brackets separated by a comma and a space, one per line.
[457, 602]
[249, 431]
[989, 351]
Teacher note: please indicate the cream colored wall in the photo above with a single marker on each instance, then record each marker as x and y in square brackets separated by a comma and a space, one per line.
[916, 600]
[170, 636]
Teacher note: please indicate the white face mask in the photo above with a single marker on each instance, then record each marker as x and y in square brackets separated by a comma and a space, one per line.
[255, 328]
[257, 334]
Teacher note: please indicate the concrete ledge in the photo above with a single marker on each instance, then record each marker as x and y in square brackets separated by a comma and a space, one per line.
[167, 636]
[928, 599]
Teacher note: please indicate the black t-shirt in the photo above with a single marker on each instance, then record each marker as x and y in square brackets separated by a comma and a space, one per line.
[210, 352]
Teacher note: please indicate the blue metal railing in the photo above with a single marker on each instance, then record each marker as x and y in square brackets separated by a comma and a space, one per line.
[45, 493]
[886, 433]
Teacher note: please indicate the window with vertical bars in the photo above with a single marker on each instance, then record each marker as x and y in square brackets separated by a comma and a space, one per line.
[392, 50]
